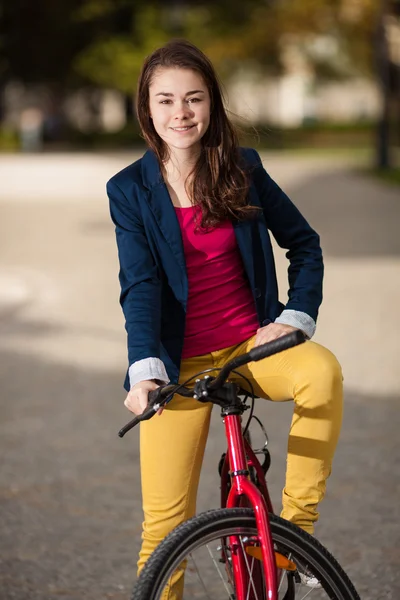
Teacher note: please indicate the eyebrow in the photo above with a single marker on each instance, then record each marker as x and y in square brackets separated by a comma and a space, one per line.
[187, 93]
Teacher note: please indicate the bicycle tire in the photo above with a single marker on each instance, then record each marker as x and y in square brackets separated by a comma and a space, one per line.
[178, 543]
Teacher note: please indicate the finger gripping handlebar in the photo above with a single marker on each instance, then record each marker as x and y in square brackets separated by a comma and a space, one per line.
[155, 397]
[283, 343]
[160, 394]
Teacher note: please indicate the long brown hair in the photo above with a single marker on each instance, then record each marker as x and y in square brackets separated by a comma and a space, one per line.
[219, 182]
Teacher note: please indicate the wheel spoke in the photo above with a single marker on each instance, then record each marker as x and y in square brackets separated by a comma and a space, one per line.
[218, 570]
[200, 552]
[200, 577]
[308, 593]
[250, 572]
[282, 579]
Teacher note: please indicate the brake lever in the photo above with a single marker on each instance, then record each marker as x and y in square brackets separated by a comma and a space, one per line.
[155, 402]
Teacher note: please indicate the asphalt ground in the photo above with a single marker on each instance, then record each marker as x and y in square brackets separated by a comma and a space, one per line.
[70, 506]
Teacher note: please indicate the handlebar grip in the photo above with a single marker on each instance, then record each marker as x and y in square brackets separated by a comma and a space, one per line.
[145, 416]
[154, 397]
[128, 427]
[283, 343]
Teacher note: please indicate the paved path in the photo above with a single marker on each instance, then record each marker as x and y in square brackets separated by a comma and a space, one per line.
[69, 496]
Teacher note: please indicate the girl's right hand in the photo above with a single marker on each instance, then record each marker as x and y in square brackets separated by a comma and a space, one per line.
[136, 400]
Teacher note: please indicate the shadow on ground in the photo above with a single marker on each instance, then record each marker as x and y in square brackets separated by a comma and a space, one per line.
[70, 506]
[70, 497]
[355, 216]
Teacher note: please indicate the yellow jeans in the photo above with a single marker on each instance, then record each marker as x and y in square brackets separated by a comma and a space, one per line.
[172, 445]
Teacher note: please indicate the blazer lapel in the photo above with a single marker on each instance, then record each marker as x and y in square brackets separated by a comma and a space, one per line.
[160, 204]
[164, 212]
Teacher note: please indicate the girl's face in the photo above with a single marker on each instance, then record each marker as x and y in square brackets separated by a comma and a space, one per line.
[180, 107]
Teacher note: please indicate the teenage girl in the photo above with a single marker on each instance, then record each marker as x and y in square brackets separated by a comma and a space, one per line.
[198, 287]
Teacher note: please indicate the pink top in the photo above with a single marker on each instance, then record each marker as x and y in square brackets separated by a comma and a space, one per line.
[220, 310]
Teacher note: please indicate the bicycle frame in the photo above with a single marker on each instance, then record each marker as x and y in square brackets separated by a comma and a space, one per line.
[242, 492]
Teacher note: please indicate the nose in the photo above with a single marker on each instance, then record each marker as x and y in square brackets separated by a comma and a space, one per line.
[183, 111]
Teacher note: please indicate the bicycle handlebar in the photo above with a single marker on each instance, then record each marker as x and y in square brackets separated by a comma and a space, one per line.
[283, 343]
[158, 397]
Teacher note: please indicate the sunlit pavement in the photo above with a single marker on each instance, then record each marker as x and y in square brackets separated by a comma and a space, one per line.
[70, 501]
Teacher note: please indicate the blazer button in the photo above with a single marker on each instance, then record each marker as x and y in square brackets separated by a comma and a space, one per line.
[257, 293]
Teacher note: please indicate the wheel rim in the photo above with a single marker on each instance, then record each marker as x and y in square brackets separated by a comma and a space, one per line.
[207, 578]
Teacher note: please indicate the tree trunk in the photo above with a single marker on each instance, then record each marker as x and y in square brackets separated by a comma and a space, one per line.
[383, 158]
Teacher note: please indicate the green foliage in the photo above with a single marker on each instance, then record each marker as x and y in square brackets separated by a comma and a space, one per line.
[95, 9]
[230, 32]
[9, 141]
[127, 138]
[115, 60]
[103, 42]
[317, 137]
[390, 176]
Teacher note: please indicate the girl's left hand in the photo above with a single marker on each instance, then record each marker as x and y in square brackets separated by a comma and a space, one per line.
[272, 332]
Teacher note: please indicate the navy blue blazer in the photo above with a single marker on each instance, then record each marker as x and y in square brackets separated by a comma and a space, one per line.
[154, 284]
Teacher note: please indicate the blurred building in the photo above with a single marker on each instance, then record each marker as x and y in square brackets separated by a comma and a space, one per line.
[295, 99]
[288, 101]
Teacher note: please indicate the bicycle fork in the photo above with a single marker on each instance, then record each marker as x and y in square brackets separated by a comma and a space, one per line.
[242, 488]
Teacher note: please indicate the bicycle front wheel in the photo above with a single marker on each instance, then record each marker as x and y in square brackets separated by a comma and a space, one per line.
[199, 548]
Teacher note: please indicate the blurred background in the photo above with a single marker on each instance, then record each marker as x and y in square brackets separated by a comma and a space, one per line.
[305, 72]
[314, 85]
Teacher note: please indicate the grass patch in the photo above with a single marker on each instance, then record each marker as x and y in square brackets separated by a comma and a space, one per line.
[391, 175]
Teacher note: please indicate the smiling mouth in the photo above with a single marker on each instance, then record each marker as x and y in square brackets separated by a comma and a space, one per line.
[182, 128]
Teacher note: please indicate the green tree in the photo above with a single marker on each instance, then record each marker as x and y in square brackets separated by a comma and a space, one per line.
[252, 32]
[70, 43]
[113, 58]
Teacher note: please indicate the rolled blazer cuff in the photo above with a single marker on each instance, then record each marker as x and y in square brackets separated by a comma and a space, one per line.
[298, 319]
[147, 368]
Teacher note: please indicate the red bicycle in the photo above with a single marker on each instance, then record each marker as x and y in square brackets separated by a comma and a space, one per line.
[241, 551]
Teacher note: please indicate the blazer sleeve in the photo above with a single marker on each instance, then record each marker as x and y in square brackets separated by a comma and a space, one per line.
[140, 284]
[292, 232]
